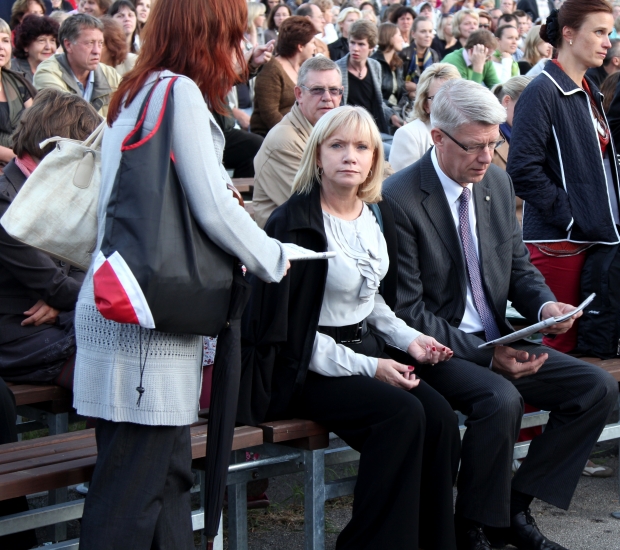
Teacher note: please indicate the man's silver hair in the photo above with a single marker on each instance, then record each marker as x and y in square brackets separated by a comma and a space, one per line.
[318, 63]
[461, 102]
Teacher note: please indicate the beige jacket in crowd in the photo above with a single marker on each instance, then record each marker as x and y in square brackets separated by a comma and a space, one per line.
[277, 162]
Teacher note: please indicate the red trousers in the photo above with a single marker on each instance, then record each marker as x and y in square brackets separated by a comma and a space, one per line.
[563, 276]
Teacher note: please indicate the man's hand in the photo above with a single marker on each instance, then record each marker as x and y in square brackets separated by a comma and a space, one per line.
[555, 309]
[262, 54]
[410, 88]
[242, 118]
[40, 313]
[514, 364]
[478, 55]
[396, 121]
[425, 349]
[396, 374]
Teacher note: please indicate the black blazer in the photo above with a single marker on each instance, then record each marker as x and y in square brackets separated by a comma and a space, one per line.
[432, 275]
[281, 319]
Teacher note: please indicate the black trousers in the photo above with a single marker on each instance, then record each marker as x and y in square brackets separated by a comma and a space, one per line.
[139, 494]
[409, 444]
[578, 395]
[239, 152]
[8, 434]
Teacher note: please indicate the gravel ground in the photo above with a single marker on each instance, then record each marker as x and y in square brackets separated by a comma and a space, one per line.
[587, 525]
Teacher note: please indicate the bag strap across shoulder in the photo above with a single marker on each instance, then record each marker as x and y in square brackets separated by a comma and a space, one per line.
[133, 139]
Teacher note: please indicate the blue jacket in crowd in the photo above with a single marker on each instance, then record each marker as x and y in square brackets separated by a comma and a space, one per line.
[556, 164]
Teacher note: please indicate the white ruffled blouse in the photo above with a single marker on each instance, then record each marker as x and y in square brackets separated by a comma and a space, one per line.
[351, 295]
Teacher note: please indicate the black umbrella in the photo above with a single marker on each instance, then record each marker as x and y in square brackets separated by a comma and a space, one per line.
[223, 407]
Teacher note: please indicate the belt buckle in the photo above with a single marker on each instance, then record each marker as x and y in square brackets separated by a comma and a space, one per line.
[358, 335]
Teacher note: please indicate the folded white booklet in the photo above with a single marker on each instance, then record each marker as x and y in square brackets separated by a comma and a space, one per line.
[294, 252]
[528, 331]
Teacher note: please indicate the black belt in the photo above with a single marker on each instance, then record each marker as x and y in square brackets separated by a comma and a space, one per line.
[351, 334]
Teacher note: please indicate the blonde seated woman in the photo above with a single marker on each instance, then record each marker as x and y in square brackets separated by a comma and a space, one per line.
[413, 139]
[316, 345]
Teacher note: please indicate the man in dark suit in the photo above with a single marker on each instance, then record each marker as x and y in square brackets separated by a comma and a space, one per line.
[460, 258]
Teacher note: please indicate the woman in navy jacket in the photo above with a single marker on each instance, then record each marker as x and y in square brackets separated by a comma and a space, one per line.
[562, 156]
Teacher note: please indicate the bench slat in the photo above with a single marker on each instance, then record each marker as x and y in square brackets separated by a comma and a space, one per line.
[42, 461]
[35, 453]
[46, 441]
[26, 394]
[287, 430]
[27, 482]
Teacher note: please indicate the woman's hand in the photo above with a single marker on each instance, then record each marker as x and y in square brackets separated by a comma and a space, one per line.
[262, 54]
[396, 374]
[40, 313]
[425, 349]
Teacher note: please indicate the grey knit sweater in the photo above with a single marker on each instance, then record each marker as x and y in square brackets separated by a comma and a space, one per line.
[109, 354]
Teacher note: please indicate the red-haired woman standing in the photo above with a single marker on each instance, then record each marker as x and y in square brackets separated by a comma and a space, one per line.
[139, 495]
[562, 158]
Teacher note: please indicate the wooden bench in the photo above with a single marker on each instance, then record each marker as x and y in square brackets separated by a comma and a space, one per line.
[245, 186]
[46, 405]
[47, 463]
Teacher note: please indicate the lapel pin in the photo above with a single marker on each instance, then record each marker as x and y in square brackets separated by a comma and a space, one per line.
[487, 198]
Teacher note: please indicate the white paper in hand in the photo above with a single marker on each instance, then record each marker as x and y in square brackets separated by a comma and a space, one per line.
[295, 252]
[533, 329]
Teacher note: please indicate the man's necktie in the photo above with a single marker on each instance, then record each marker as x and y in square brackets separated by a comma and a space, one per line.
[473, 269]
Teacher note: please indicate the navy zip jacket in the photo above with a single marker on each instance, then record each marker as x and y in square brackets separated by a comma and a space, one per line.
[556, 164]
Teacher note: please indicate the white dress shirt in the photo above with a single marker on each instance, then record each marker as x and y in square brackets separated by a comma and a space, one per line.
[471, 319]
[351, 295]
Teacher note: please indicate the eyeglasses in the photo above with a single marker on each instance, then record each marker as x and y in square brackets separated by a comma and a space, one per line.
[320, 92]
[476, 149]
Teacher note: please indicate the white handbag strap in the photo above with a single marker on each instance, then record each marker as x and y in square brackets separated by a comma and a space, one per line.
[93, 141]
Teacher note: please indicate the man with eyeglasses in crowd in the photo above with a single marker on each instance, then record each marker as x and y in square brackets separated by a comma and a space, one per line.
[460, 256]
[318, 91]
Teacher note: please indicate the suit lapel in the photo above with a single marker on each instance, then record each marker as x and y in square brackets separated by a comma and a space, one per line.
[438, 210]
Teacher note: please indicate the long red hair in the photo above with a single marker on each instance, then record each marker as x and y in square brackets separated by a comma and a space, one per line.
[200, 39]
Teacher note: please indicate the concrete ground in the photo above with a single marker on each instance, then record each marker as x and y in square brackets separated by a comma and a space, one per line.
[587, 525]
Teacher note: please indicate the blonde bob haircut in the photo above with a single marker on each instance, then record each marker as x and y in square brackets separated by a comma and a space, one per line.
[457, 19]
[356, 123]
[439, 71]
[530, 46]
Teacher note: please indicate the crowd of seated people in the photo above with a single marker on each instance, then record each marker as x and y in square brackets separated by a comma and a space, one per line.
[428, 145]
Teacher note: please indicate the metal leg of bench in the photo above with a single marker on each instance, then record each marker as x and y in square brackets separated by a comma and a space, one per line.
[238, 511]
[58, 424]
[314, 499]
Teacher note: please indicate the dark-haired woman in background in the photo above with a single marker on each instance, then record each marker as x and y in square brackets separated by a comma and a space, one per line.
[276, 17]
[562, 157]
[125, 13]
[274, 93]
[36, 39]
[22, 8]
[390, 44]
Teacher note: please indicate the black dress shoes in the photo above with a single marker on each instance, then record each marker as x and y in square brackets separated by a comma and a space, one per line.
[524, 534]
[472, 539]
